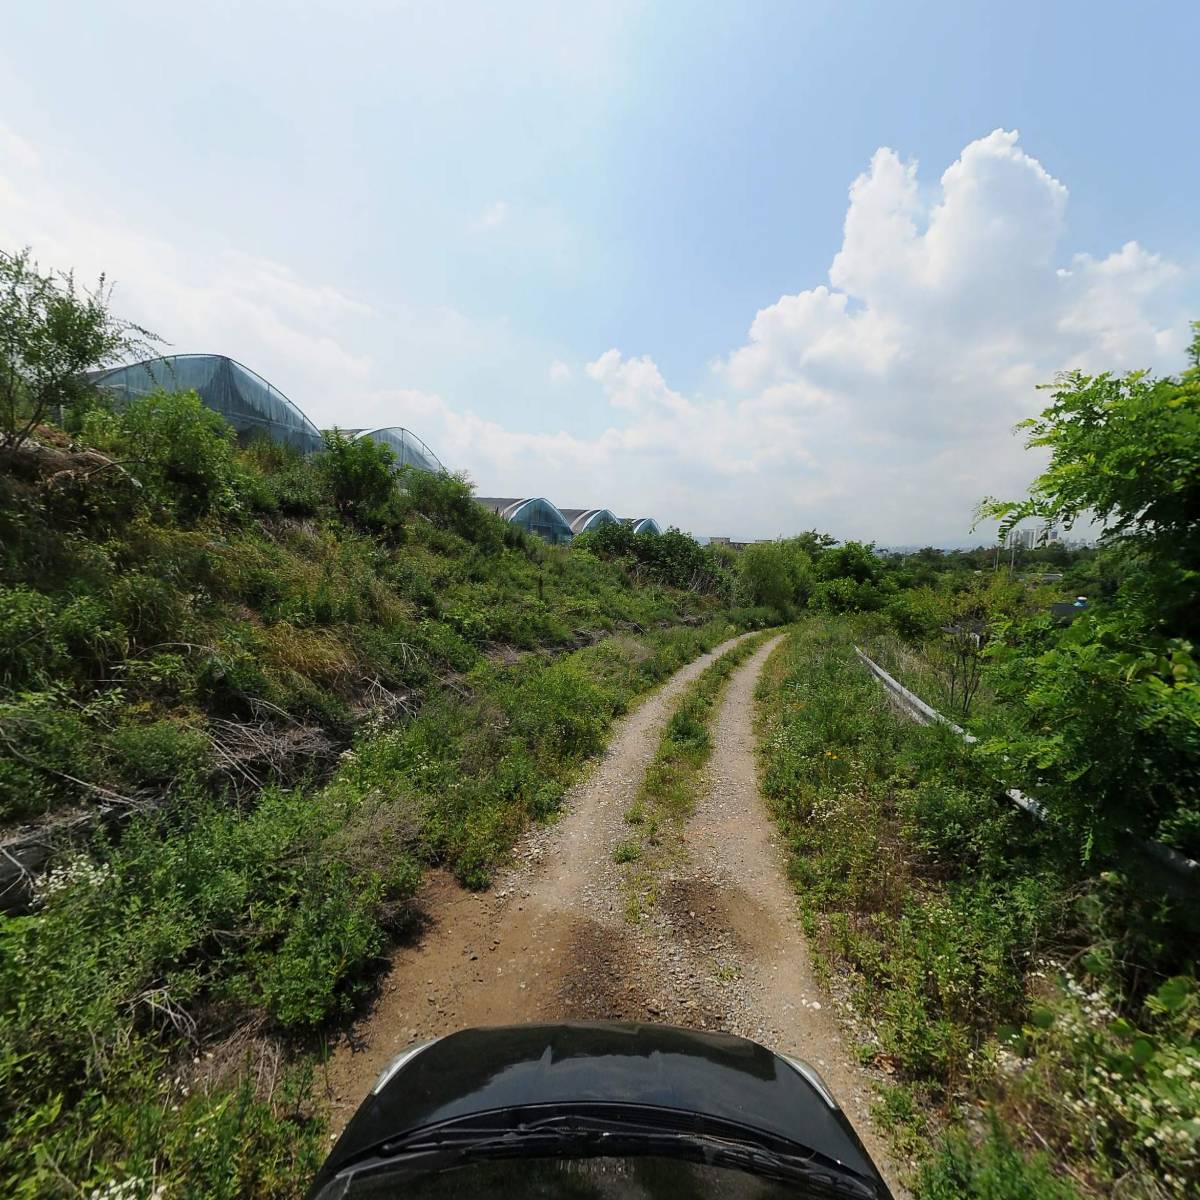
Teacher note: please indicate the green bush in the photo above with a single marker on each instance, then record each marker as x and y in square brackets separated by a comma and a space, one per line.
[231, 681]
[91, 633]
[447, 502]
[360, 474]
[326, 932]
[147, 606]
[991, 1169]
[42, 742]
[855, 561]
[279, 480]
[165, 752]
[846, 595]
[1105, 735]
[30, 645]
[120, 949]
[776, 576]
[181, 451]
[671, 558]
[918, 613]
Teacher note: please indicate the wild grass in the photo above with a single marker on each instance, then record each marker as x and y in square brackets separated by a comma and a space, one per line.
[315, 699]
[1002, 988]
[143, 953]
[668, 792]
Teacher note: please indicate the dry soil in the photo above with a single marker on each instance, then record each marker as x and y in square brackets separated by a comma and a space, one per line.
[721, 949]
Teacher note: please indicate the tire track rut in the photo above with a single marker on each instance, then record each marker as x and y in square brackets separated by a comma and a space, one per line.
[547, 942]
[722, 948]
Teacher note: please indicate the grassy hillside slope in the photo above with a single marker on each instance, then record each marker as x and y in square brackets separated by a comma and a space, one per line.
[298, 683]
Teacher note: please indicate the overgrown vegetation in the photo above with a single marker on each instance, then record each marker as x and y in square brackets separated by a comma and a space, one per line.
[670, 558]
[995, 975]
[667, 794]
[275, 690]
[1033, 981]
[1102, 719]
[291, 685]
[51, 331]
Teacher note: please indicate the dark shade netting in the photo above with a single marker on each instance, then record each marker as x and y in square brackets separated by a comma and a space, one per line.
[409, 450]
[535, 514]
[583, 519]
[642, 524]
[246, 400]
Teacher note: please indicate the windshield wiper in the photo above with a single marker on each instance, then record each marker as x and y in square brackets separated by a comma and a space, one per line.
[590, 1135]
[826, 1178]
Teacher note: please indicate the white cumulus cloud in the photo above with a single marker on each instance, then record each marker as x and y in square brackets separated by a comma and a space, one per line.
[492, 217]
[877, 402]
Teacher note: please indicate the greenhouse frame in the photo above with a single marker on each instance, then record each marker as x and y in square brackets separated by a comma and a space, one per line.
[410, 450]
[642, 524]
[534, 514]
[245, 399]
[583, 519]
[252, 406]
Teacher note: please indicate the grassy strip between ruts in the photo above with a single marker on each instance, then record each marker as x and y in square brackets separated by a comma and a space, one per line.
[667, 794]
[160, 1002]
[992, 975]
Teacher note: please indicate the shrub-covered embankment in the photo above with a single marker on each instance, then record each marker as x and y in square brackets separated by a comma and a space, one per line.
[1041, 1010]
[298, 682]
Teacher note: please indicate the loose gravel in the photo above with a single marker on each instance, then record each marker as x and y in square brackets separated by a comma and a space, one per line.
[722, 947]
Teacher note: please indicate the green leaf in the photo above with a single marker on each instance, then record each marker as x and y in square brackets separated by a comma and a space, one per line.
[1042, 1017]
[1174, 994]
[1142, 1051]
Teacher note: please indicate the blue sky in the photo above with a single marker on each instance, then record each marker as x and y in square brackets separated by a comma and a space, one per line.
[542, 234]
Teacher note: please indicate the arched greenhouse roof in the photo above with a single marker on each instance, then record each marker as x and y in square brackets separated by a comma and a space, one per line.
[410, 451]
[245, 399]
[533, 513]
[642, 524]
[583, 519]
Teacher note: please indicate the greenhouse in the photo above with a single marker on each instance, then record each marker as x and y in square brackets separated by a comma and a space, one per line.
[246, 400]
[583, 519]
[534, 514]
[409, 450]
[642, 524]
[251, 405]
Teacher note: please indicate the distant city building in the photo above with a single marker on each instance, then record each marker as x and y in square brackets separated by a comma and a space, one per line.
[1023, 538]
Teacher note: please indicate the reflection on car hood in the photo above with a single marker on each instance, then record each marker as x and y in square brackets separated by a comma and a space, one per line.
[712, 1075]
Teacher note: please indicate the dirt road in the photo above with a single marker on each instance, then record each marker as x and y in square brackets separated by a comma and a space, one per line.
[722, 950]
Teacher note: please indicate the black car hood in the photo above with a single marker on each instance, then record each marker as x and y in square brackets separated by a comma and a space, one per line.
[713, 1075]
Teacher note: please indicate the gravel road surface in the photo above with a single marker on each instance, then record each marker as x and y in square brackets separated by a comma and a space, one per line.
[722, 948]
